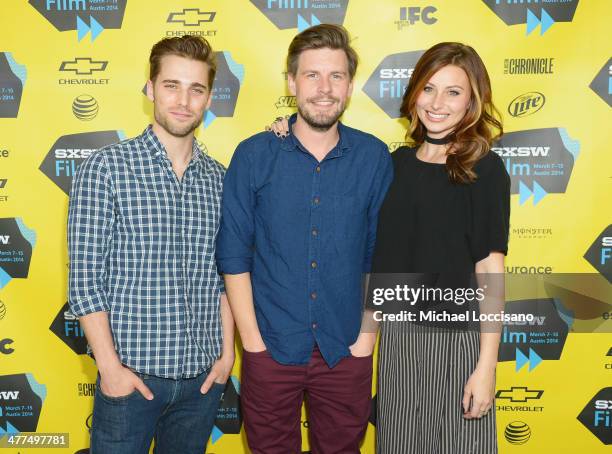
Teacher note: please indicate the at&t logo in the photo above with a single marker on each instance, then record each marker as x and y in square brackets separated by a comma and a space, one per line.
[517, 433]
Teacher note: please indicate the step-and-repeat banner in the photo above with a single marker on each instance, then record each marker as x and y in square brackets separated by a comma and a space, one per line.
[72, 74]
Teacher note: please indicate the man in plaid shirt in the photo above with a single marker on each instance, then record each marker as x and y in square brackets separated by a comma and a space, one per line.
[142, 224]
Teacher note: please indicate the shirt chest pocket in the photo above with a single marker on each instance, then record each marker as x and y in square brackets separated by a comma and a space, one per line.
[350, 222]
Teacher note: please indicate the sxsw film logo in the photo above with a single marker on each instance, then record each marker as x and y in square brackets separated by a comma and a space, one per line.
[412, 14]
[302, 14]
[84, 16]
[6, 346]
[80, 67]
[517, 433]
[69, 151]
[599, 254]
[66, 326]
[526, 104]
[388, 82]
[16, 244]
[12, 80]
[515, 66]
[229, 415]
[539, 161]
[543, 338]
[534, 13]
[518, 398]
[602, 84]
[21, 400]
[188, 18]
[597, 415]
[226, 88]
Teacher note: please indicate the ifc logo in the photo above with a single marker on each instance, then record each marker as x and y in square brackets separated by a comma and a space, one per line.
[85, 107]
[517, 433]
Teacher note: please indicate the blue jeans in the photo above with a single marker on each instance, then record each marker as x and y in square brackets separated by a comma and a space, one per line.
[179, 417]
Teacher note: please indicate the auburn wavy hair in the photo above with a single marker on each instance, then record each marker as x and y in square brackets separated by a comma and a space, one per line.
[472, 137]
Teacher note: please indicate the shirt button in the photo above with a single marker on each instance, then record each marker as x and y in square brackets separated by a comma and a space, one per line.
[315, 232]
[313, 296]
[318, 169]
[316, 200]
[313, 264]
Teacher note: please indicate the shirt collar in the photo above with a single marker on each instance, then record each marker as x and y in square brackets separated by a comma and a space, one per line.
[291, 143]
[154, 146]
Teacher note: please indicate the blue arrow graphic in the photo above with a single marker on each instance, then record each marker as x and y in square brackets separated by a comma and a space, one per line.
[534, 359]
[532, 21]
[547, 22]
[524, 192]
[521, 359]
[538, 193]
[96, 28]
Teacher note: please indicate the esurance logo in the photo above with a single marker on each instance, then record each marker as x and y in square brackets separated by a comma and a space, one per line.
[286, 102]
[412, 14]
[534, 13]
[16, 244]
[21, 400]
[12, 80]
[226, 88]
[599, 254]
[388, 82]
[526, 104]
[84, 16]
[597, 415]
[190, 18]
[602, 84]
[539, 161]
[543, 338]
[69, 151]
[302, 14]
[66, 326]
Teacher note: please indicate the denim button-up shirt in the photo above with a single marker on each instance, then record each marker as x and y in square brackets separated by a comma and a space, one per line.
[305, 230]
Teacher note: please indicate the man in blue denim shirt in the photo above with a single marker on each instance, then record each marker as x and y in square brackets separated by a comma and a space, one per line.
[297, 234]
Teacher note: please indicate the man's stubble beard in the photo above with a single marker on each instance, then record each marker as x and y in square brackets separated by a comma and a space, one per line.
[175, 131]
[320, 122]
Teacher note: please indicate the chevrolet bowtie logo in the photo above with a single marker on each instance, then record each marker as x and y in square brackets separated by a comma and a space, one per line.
[519, 394]
[83, 66]
[192, 17]
[3, 182]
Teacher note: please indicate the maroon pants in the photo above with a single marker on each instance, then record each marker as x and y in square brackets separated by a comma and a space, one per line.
[337, 403]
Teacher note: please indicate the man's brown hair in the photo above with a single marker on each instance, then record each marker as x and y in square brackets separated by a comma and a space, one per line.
[187, 46]
[322, 36]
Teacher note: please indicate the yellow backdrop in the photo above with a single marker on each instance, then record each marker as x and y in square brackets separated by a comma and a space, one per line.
[71, 80]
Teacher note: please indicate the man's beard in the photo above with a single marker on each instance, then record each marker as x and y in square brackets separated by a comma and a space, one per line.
[177, 130]
[319, 121]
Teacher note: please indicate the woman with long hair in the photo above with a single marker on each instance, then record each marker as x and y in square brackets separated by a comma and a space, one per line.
[446, 212]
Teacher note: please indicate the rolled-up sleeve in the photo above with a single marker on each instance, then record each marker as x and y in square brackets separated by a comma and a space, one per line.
[236, 235]
[90, 225]
[380, 186]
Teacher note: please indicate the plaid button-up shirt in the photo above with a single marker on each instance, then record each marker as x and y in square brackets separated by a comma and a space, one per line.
[142, 248]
